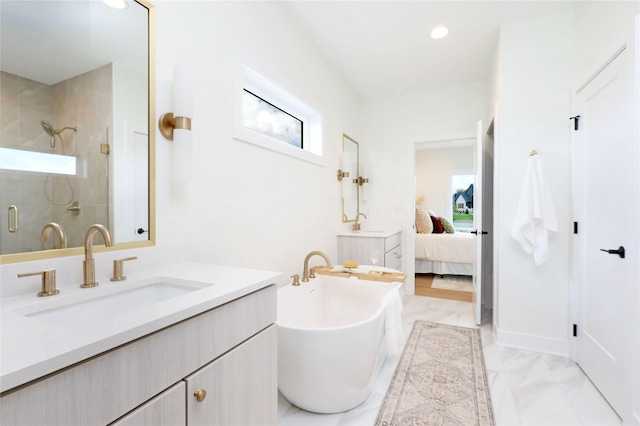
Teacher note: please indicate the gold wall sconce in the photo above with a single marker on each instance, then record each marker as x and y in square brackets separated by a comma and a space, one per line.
[180, 118]
[342, 174]
[168, 123]
[176, 126]
[360, 181]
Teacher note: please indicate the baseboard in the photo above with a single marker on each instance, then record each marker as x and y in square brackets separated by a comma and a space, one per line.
[531, 342]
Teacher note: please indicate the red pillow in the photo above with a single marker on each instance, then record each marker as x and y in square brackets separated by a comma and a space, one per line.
[437, 225]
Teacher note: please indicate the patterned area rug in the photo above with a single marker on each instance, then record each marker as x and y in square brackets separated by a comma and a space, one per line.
[440, 380]
[453, 282]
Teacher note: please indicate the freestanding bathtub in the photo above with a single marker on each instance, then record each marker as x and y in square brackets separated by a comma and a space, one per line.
[331, 340]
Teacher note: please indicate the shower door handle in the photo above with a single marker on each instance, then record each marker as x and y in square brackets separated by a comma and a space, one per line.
[13, 220]
[619, 251]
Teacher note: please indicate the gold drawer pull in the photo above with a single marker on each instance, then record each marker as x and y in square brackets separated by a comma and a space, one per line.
[200, 395]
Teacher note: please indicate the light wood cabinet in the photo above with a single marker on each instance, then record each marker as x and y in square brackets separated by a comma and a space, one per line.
[168, 408]
[358, 246]
[141, 375]
[235, 394]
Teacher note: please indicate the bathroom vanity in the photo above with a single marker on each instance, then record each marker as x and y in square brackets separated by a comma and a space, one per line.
[356, 246]
[208, 356]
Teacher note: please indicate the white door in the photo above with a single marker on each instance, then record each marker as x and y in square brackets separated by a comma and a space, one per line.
[477, 224]
[606, 176]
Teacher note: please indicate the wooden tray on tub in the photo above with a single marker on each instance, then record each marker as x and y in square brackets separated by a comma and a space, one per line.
[362, 275]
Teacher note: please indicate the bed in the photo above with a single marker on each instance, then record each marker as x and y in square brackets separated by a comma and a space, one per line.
[445, 254]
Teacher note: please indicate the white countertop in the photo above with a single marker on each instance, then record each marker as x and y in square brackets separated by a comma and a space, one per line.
[31, 348]
[368, 234]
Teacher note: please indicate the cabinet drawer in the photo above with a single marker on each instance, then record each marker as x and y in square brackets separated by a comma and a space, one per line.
[391, 241]
[393, 258]
[235, 394]
[168, 408]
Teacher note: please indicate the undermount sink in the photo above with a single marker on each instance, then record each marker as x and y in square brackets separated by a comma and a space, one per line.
[110, 302]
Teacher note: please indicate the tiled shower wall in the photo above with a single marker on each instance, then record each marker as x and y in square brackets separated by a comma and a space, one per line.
[85, 102]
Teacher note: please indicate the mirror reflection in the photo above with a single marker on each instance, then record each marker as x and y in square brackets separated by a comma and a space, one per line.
[74, 138]
[350, 197]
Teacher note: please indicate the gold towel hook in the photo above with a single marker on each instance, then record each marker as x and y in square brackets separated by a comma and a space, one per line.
[533, 152]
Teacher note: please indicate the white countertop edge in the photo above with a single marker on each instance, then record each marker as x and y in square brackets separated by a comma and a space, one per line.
[20, 363]
[369, 234]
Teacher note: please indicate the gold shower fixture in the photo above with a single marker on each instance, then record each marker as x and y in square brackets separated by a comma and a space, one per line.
[360, 180]
[342, 174]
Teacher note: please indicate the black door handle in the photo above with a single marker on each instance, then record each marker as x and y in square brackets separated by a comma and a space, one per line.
[479, 232]
[619, 251]
[141, 231]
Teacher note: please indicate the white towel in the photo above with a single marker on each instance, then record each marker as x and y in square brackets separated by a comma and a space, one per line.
[393, 328]
[536, 214]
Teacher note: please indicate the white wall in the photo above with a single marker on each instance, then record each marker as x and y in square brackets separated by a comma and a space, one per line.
[535, 75]
[245, 206]
[248, 206]
[434, 168]
[390, 124]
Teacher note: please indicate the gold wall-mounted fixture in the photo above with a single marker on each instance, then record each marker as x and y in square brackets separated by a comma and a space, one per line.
[176, 126]
[360, 180]
[74, 208]
[180, 118]
[168, 123]
[342, 174]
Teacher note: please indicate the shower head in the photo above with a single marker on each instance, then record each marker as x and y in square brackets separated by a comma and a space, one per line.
[48, 128]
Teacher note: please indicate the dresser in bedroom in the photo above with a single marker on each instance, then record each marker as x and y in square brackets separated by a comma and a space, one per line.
[357, 246]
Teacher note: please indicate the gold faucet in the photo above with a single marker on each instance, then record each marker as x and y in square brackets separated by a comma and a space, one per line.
[48, 281]
[305, 273]
[89, 266]
[356, 225]
[62, 239]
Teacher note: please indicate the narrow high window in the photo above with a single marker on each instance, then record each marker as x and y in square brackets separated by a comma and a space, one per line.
[267, 115]
[264, 117]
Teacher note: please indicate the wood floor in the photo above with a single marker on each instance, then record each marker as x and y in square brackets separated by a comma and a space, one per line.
[423, 288]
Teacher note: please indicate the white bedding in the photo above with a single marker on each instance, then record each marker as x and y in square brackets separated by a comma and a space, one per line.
[455, 248]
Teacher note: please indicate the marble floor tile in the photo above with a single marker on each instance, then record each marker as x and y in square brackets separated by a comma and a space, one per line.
[527, 388]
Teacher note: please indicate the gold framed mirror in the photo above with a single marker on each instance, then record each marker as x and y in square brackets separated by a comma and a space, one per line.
[78, 87]
[349, 185]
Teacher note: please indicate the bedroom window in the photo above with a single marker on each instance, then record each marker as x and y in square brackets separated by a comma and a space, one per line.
[462, 190]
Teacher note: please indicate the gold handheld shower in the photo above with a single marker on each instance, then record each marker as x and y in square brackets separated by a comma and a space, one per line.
[48, 128]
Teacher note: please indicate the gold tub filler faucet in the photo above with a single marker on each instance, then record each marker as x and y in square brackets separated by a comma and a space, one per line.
[306, 273]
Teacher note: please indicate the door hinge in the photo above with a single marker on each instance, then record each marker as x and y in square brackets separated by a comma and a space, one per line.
[575, 227]
[575, 330]
[575, 123]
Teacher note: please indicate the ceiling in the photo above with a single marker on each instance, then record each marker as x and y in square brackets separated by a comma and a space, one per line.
[384, 47]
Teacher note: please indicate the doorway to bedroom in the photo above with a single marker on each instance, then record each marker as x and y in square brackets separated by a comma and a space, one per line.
[444, 249]
[463, 255]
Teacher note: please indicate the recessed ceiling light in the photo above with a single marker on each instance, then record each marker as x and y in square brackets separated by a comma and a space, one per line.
[439, 32]
[116, 4]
